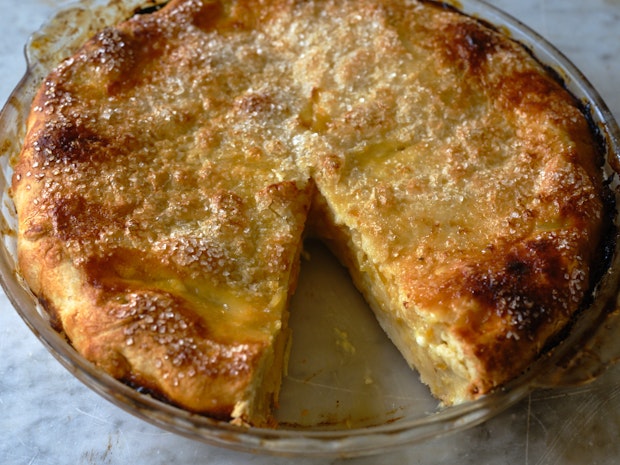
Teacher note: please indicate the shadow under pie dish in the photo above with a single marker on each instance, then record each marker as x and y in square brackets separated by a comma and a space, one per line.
[474, 229]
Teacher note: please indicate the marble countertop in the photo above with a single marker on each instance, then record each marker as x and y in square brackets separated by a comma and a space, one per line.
[48, 417]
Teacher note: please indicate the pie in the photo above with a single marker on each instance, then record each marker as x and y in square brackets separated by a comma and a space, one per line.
[174, 165]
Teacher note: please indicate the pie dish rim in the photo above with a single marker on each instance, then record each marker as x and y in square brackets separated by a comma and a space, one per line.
[315, 442]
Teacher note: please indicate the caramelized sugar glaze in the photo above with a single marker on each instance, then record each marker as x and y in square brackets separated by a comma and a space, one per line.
[172, 163]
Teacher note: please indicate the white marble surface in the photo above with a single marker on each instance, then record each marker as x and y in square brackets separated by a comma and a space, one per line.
[48, 417]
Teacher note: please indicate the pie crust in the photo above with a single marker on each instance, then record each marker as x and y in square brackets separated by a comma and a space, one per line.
[174, 165]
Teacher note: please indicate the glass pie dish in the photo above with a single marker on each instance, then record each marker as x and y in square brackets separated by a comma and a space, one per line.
[348, 392]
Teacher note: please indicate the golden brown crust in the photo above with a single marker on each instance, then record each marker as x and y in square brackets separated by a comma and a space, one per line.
[472, 201]
[170, 165]
[166, 260]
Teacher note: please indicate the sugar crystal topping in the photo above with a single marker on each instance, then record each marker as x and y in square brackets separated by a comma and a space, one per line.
[197, 135]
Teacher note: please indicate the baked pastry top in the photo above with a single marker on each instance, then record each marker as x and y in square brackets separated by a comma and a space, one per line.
[174, 164]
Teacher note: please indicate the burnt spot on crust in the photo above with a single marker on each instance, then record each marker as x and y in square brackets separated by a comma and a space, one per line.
[529, 295]
[66, 141]
[468, 45]
[534, 285]
[150, 388]
[149, 9]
